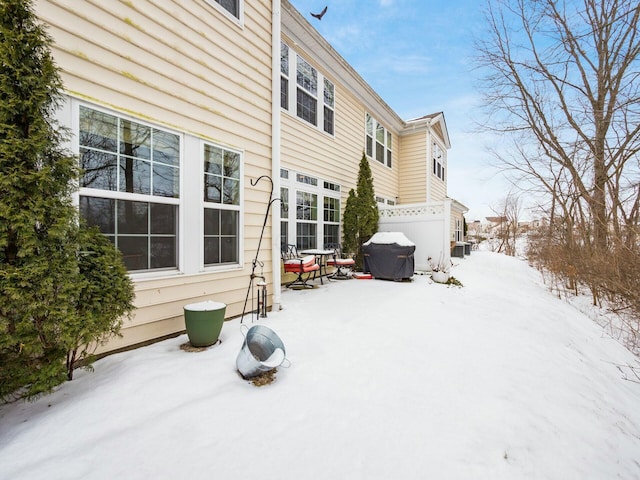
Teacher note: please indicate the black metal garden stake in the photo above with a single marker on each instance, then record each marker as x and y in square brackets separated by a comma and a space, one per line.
[261, 310]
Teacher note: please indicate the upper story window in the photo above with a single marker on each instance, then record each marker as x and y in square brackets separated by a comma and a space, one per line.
[314, 94]
[328, 106]
[438, 161]
[284, 76]
[378, 141]
[233, 7]
[307, 91]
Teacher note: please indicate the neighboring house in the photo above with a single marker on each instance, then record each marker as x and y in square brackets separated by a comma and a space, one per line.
[496, 226]
[176, 107]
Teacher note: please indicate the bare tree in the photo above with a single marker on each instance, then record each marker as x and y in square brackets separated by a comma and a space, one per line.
[562, 89]
[562, 82]
[509, 211]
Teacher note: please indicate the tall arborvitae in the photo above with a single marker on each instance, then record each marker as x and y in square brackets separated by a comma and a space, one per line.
[350, 224]
[41, 282]
[361, 213]
[369, 214]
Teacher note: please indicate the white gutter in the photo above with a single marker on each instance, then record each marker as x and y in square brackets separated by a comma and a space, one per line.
[276, 24]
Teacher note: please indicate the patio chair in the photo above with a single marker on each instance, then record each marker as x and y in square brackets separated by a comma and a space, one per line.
[304, 267]
[342, 263]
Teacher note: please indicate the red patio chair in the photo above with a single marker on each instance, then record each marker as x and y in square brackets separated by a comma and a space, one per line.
[343, 264]
[300, 266]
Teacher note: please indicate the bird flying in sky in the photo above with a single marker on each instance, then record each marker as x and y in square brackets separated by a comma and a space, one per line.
[319, 15]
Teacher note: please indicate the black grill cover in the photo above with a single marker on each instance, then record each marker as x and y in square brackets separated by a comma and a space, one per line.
[389, 261]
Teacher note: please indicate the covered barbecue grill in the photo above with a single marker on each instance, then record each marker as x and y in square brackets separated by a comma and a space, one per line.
[389, 256]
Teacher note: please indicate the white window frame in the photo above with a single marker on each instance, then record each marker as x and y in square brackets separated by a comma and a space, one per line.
[302, 182]
[371, 128]
[238, 20]
[324, 96]
[331, 191]
[438, 157]
[135, 197]
[459, 234]
[284, 74]
[222, 206]
[190, 203]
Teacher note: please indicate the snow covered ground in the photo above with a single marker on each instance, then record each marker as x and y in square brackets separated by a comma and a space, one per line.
[494, 380]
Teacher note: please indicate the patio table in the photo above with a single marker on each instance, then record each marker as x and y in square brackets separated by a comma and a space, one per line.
[323, 254]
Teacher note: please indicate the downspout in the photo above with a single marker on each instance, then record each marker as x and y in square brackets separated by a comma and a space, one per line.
[429, 162]
[276, 25]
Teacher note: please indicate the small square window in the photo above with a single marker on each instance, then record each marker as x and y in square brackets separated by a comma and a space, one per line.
[231, 6]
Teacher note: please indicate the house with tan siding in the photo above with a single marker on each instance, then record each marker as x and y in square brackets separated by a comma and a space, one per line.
[176, 108]
[321, 151]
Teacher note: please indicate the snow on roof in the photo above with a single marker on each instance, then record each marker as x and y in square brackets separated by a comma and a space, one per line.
[390, 237]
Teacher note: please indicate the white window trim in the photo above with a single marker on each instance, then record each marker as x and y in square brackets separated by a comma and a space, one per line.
[292, 94]
[237, 20]
[435, 162]
[75, 104]
[387, 148]
[189, 202]
[459, 233]
[293, 187]
[239, 208]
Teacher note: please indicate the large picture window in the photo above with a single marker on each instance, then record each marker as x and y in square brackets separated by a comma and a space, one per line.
[130, 187]
[221, 205]
[378, 141]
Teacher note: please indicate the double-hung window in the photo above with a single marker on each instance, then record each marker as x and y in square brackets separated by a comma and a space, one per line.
[331, 218]
[329, 102]
[314, 93]
[378, 141]
[459, 234]
[130, 187]
[307, 91]
[222, 187]
[284, 76]
[306, 219]
[438, 161]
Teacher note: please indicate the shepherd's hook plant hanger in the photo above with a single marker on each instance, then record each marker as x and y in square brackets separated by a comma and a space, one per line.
[255, 261]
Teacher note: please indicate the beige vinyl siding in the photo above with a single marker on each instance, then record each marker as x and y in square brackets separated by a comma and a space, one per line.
[414, 168]
[438, 187]
[181, 65]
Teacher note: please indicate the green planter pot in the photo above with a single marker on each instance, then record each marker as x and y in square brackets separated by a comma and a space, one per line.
[203, 322]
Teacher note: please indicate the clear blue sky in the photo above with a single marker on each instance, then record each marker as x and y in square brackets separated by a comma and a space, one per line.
[418, 56]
